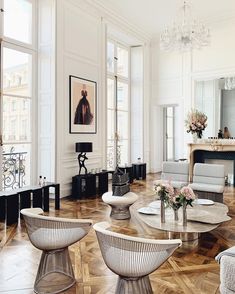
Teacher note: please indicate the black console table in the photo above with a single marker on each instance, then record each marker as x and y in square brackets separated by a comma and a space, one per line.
[139, 171]
[11, 202]
[88, 185]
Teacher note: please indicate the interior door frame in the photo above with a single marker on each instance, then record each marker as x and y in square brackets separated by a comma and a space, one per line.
[165, 137]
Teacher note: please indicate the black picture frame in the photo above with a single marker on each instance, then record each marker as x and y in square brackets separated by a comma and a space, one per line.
[82, 106]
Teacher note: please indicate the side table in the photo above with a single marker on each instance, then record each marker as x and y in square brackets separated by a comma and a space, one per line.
[13, 200]
[88, 185]
[120, 204]
[139, 171]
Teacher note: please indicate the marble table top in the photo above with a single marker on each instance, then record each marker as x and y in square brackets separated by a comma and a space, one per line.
[201, 218]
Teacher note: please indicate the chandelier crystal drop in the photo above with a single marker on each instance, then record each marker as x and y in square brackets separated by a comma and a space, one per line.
[185, 34]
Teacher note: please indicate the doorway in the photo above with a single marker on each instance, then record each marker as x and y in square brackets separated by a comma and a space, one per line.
[169, 133]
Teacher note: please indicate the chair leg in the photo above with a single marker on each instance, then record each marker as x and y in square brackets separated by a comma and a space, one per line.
[55, 272]
[134, 286]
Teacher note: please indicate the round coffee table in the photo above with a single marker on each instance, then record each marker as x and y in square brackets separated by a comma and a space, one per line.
[201, 219]
[120, 204]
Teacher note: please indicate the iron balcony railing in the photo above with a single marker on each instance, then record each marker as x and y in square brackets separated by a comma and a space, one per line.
[13, 170]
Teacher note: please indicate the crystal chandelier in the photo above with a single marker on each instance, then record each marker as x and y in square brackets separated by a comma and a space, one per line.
[186, 34]
[229, 83]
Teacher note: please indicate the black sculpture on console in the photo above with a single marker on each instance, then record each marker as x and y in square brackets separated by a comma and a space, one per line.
[83, 147]
[81, 160]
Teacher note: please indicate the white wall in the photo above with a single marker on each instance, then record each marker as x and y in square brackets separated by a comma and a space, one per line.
[81, 36]
[136, 103]
[174, 75]
[46, 89]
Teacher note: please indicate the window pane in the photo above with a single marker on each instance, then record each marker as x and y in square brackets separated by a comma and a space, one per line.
[16, 166]
[110, 93]
[110, 155]
[122, 127]
[122, 152]
[170, 127]
[18, 20]
[170, 149]
[110, 57]
[169, 111]
[122, 62]
[16, 72]
[16, 119]
[110, 124]
[122, 96]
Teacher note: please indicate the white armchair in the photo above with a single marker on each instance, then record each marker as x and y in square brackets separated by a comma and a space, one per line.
[132, 258]
[227, 270]
[208, 181]
[53, 235]
[175, 172]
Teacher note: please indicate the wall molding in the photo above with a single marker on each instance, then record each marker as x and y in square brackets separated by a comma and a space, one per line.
[80, 58]
[213, 74]
[120, 22]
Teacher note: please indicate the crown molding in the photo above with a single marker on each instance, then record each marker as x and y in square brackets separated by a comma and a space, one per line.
[113, 18]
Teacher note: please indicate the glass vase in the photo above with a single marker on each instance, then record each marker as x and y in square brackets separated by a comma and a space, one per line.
[163, 218]
[184, 214]
[195, 138]
[176, 216]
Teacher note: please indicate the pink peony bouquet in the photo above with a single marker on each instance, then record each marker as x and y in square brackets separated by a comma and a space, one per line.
[164, 190]
[174, 202]
[196, 122]
[186, 196]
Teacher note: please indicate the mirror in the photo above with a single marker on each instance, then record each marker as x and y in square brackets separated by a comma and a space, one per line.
[216, 98]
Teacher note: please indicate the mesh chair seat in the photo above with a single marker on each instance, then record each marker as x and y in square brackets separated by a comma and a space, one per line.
[226, 259]
[53, 235]
[132, 258]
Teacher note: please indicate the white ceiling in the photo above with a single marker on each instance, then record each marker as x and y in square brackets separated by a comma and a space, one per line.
[153, 15]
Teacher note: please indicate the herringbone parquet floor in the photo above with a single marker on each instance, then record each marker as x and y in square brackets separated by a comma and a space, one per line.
[191, 270]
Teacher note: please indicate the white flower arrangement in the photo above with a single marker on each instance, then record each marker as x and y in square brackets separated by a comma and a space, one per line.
[196, 122]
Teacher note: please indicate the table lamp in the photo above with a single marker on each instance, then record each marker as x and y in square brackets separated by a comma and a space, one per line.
[83, 148]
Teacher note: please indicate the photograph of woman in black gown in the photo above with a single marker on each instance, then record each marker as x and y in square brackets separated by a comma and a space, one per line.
[82, 106]
[83, 115]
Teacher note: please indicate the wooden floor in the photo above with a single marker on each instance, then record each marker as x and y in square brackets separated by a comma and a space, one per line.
[192, 268]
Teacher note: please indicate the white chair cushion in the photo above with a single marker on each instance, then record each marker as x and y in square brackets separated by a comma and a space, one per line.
[208, 170]
[208, 180]
[175, 184]
[207, 187]
[175, 167]
[178, 184]
[174, 177]
[175, 172]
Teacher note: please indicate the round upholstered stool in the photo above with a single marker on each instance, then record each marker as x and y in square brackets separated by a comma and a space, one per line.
[120, 204]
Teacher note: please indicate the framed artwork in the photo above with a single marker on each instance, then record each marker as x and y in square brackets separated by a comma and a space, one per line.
[82, 118]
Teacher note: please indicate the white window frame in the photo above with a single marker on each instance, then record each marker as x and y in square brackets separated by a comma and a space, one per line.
[31, 49]
[119, 78]
[33, 45]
